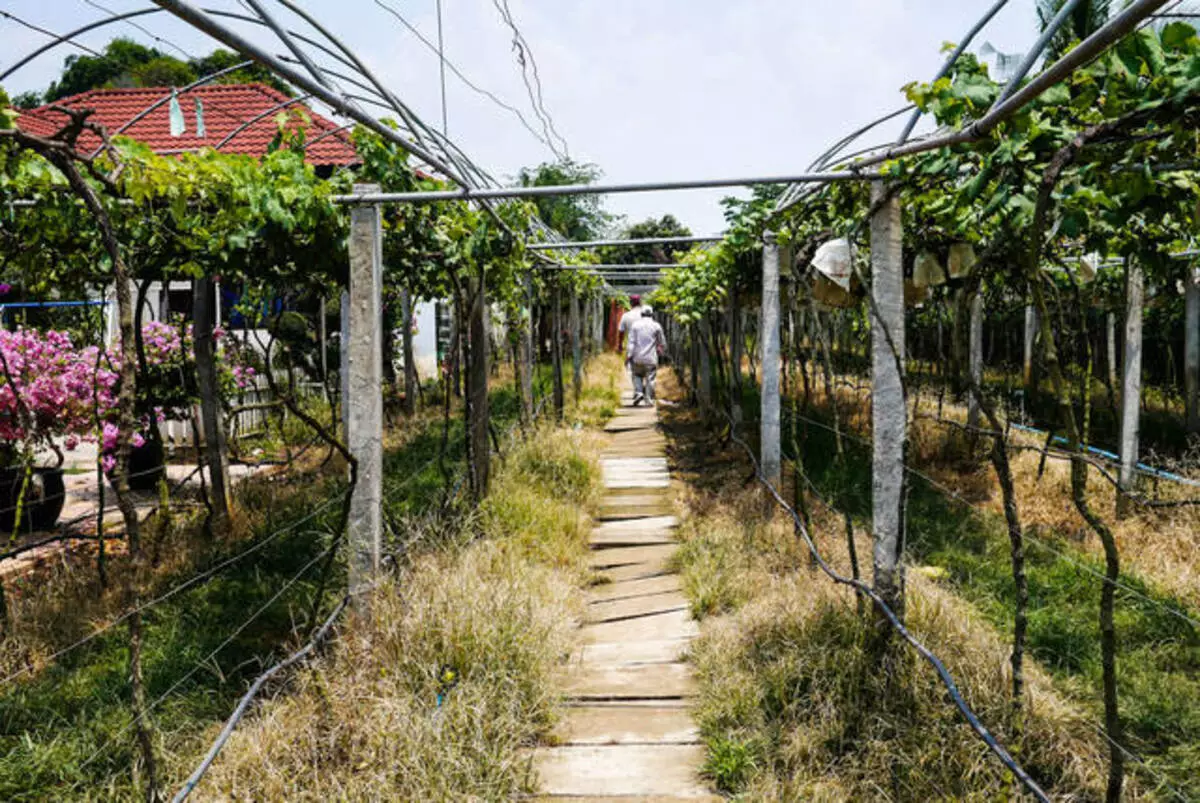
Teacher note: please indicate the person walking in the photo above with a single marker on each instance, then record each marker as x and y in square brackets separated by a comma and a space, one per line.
[631, 316]
[646, 343]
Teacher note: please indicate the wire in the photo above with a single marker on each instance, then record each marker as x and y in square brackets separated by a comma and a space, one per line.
[446, 63]
[526, 60]
[39, 29]
[181, 587]
[894, 620]
[101, 7]
[1028, 535]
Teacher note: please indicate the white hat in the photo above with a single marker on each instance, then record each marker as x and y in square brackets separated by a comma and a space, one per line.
[647, 310]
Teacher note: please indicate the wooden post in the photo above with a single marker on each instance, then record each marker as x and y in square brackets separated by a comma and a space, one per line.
[477, 388]
[769, 448]
[363, 404]
[1110, 342]
[888, 413]
[410, 365]
[212, 422]
[1191, 348]
[1131, 380]
[704, 386]
[975, 357]
[576, 346]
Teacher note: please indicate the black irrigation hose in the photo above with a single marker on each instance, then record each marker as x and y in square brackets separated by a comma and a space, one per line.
[944, 674]
[244, 704]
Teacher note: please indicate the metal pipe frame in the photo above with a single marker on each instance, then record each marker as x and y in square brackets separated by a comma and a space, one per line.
[629, 266]
[257, 117]
[67, 37]
[288, 43]
[950, 62]
[591, 189]
[617, 243]
[204, 22]
[166, 98]
[405, 113]
[1036, 51]
[1107, 35]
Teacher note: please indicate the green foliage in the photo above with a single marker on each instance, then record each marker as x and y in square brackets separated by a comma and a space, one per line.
[578, 217]
[666, 226]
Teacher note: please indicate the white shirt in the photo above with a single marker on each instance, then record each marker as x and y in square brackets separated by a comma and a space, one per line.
[646, 339]
[629, 319]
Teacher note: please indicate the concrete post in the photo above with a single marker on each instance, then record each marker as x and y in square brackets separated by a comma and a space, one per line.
[410, 365]
[344, 362]
[363, 403]
[769, 449]
[477, 388]
[323, 338]
[888, 414]
[556, 353]
[212, 421]
[1191, 348]
[1110, 342]
[1131, 381]
[975, 357]
[574, 325]
[526, 363]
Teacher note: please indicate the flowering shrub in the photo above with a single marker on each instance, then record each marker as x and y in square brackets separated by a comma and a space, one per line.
[51, 390]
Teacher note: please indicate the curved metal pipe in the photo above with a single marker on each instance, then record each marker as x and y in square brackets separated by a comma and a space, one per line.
[257, 117]
[950, 62]
[1031, 57]
[91, 26]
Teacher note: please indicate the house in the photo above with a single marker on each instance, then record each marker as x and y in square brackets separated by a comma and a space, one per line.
[230, 118]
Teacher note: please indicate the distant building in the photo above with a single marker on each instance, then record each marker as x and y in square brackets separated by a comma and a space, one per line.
[207, 116]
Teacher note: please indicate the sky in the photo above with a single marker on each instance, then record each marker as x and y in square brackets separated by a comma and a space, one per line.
[648, 90]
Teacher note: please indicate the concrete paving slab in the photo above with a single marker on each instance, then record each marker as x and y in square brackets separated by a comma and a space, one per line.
[632, 682]
[626, 724]
[673, 624]
[622, 770]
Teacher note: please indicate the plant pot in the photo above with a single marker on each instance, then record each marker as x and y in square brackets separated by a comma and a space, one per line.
[44, 499]
[145, 466]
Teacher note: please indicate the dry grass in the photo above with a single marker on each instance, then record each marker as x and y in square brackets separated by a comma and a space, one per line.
[483, 631]
[795, 706]
[457, 669]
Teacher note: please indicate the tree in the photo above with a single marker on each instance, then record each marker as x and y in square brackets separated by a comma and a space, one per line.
[115, 67]
[1085, 18]
[666, 226]
[126, 63]
[577, 217]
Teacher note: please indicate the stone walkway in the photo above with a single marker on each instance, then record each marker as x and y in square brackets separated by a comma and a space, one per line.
[628, 734]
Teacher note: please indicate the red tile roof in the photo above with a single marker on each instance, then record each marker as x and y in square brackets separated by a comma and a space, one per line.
[226, 108]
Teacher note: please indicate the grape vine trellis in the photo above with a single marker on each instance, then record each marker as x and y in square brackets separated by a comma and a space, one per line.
[1099, 159]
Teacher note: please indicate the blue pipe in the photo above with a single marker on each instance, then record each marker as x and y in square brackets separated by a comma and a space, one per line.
[1115, 458]
[50, 304]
